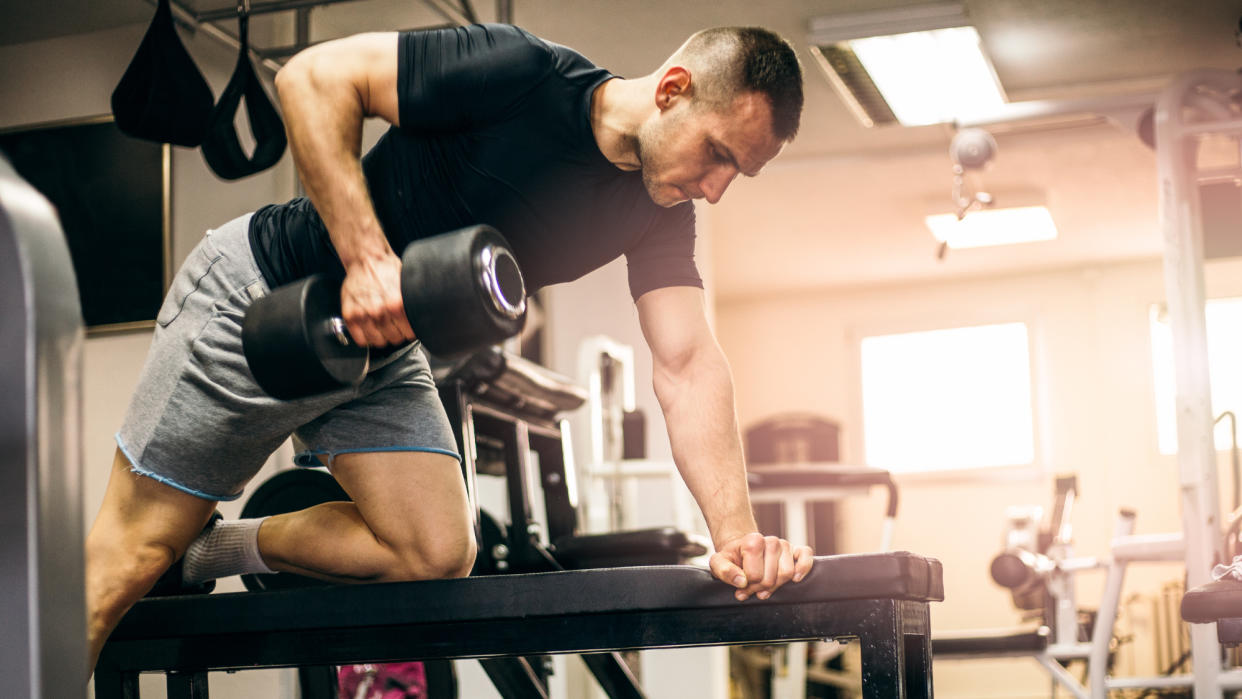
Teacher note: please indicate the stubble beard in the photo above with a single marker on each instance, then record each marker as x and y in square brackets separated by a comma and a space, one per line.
[649, 146]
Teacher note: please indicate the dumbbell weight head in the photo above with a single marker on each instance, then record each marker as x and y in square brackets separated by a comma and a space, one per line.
[292, 339]
[463, 290]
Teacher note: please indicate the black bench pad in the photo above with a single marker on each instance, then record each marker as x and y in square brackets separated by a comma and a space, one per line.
[1219, 599]
[988, 642]
[880, 599]
[899, 575]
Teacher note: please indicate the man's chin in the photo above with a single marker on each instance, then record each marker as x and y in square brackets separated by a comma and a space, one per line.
[667, 197]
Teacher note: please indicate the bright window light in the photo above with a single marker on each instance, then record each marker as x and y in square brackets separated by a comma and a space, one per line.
[984, 227]
[948, 399]
[1224, 339]
[930, 77]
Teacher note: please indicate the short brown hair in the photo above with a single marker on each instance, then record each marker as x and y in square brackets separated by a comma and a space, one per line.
[749, 59]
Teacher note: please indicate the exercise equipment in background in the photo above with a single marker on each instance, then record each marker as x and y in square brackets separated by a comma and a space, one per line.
[162, 96]
[222, 148]
[43, 636]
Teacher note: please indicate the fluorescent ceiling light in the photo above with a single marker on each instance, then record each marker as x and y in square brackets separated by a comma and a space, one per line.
[1026, 224]
[930, 77]
[915, 66]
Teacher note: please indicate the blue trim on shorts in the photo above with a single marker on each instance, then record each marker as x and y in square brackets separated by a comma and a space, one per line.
[304, 458]
[168, 481]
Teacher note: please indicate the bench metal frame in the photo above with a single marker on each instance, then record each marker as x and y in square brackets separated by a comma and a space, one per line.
[585, 611]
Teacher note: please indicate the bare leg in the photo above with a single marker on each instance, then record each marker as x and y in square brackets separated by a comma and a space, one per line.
[410, 520]
[142, 528]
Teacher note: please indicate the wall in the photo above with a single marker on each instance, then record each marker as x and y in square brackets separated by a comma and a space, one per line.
[1094, 413]
[73, 77]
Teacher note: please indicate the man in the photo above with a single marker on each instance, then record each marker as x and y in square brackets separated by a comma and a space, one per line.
[489, 125]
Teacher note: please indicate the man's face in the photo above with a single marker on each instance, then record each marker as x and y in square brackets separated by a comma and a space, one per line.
[693, 152]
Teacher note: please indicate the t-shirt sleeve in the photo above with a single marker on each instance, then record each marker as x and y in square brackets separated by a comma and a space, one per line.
[460, 77]
[665, 254]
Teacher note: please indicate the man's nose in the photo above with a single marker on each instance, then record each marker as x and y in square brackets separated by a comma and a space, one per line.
[716, 182]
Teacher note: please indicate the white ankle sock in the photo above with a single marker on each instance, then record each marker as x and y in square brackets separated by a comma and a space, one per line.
[227, 548]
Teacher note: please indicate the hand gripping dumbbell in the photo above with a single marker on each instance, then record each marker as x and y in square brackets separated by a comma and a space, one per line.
[462, 291]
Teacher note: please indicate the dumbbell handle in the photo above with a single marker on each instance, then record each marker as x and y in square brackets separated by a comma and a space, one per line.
[489, 255]
[337, 328]
[336, 325]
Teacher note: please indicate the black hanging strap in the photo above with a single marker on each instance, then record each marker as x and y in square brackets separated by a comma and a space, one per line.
[221, 148]
[162, 96]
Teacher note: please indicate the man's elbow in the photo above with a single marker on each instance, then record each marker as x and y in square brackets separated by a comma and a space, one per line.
[292, 74]
[697, 364]
[312, 68]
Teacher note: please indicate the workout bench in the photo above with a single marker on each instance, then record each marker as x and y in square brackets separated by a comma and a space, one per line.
[879, 599]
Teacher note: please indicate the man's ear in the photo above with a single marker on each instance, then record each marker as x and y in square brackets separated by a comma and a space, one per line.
[673, 86]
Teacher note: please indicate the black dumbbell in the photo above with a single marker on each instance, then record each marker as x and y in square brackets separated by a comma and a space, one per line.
[462, 291]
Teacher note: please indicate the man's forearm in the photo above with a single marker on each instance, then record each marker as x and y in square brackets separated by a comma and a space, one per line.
[698, 407]
[323, 117]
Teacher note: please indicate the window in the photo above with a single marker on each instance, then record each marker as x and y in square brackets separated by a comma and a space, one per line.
[1224, 339]
[948, 399]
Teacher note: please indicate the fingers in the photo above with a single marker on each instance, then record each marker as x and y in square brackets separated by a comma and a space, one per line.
[753, 548]
[371, 323]
[781, 563]
[726, 570]
[803, 559]
[372, 307]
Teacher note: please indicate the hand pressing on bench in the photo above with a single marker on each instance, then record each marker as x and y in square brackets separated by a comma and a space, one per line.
[756, 564]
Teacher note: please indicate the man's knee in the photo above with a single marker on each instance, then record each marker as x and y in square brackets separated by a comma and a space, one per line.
[124, 568]
[447, 558]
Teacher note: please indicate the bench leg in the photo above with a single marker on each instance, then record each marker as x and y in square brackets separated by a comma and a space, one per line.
[514, 678]
[916, 635]
[896, 651]
[113, 684]
[187, 685]
[613, 675]
[317, 681]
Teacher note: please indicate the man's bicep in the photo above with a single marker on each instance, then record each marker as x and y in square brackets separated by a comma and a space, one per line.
[674, 323]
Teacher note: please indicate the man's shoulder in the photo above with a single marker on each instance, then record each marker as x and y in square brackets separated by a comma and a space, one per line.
[501, 47]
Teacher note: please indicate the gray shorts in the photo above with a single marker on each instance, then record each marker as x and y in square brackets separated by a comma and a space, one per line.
[199, 423]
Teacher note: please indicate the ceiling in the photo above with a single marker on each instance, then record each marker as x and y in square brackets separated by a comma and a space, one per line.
[843, 205]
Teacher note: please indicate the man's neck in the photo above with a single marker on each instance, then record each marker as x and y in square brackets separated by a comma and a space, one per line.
[618, 108]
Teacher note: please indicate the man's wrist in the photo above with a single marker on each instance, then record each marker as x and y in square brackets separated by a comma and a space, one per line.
[733, 531]
[364, 248]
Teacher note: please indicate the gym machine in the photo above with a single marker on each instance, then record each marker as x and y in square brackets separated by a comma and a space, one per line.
[43, 637]
[1196, 105]
[1038, 567]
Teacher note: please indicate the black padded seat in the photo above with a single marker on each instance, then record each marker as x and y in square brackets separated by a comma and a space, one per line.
[813, 475]
[1219, 599]
[657, 546]
[1219, 602]
[990, 642]
[508, 380]
[881, 599]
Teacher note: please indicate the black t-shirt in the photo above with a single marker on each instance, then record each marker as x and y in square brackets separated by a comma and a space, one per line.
[495, 128]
